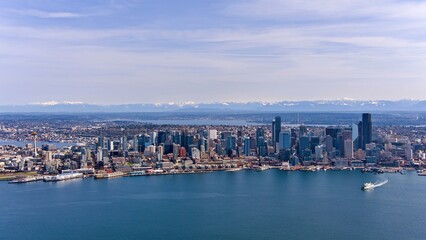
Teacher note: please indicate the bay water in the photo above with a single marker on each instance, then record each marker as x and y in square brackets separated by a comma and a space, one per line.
[270, 204]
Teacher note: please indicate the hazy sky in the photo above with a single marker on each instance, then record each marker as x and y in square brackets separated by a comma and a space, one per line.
[150, 51]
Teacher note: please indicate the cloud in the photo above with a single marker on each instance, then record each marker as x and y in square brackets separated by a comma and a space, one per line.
[331, 50]
[329, 9]
[44, 14]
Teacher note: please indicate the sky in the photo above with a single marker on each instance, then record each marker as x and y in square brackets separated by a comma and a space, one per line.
[158, 51]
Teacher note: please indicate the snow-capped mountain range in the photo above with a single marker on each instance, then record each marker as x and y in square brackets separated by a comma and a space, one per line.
[282, 106]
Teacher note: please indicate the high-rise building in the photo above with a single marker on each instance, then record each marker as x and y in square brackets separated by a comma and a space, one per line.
[161, 138]
[304, 143]
[154, 138]
[273, 133]
[182, 152]
[99, 154]
[213, 134]
[329, 144]
[247, 146]
[34, 134]
[319, 152]
[259, 133]
[262, 147]
[135, 143]
[302, 130]
[101, 142]
[276, 129]
[124, 143]
[48, 157]
[360, 135]
[160, 152]
[355, 135]
[349, 149]
[176, 148]
[231, 143]
[367, 131]
[284, 140]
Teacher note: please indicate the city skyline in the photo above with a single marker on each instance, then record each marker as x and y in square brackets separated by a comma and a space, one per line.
[222, 51]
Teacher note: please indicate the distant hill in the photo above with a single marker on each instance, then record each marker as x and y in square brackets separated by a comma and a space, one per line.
[283, 106]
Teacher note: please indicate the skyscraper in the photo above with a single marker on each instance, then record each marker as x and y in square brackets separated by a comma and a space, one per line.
[284, 140]
[276, 129]
[247, 146]
[366, 129]
[360, 135]
[349, 149]
[273, 134]
[259, 133]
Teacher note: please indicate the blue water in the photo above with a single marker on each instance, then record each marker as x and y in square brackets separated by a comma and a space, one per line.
[223, 205]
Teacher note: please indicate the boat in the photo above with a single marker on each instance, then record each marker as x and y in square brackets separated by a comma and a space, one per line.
[62, 177]
[261, 168]
[422, 173]
[26, 179]
[137, 173]
[233, 169]
[109, 175]
[370, 185]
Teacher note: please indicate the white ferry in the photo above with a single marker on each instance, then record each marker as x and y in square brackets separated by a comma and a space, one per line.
[62, 177]
[368, 186]
[261, 168]
[26, 179]
[233, 169]
[109, 175]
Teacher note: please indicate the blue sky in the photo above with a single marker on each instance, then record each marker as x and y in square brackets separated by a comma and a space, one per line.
[157, 51]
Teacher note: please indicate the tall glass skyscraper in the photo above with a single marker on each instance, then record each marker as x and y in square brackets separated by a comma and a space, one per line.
[367, 131]
[276, 129]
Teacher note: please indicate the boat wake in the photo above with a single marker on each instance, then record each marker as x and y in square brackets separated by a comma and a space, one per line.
[378, 183]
